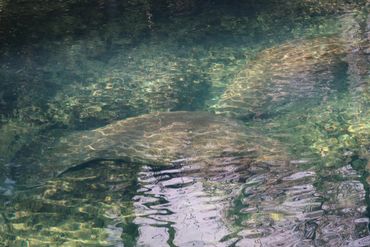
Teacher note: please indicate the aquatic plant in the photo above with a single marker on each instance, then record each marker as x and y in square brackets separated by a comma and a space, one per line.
[90, 207]
[129, 87]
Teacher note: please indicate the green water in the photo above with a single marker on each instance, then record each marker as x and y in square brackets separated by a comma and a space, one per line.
[74, 66]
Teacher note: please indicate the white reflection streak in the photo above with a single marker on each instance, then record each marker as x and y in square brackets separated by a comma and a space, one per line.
[194, 215]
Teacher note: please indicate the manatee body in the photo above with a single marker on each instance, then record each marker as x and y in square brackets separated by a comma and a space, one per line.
[200, 138]
[282, 74]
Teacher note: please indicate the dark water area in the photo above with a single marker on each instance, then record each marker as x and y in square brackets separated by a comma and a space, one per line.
[184, 123]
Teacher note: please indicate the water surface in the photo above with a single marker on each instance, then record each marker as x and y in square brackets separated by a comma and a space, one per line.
[71, 67]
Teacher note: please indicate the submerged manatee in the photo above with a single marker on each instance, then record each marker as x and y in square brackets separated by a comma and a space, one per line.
[282, 74]
[199, 138]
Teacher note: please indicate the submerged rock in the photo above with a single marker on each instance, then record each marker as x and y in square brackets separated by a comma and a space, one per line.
[283, 209]
[287, 73]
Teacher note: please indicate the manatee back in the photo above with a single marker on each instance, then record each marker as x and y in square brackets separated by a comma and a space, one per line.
[152, 139]
[290, 72]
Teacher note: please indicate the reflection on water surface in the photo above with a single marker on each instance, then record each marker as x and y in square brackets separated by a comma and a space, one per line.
[82, 165]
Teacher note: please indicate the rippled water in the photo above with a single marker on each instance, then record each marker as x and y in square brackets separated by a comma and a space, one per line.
[297, 81]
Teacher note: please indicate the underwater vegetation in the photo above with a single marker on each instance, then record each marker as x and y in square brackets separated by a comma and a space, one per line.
[74, 211]
[130, 87]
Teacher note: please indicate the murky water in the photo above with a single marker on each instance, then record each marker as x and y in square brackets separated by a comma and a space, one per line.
[184, 123]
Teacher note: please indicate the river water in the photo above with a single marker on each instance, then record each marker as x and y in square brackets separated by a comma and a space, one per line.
[291, 76]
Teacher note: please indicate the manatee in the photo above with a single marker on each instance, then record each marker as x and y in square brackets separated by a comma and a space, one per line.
[200, 138]
[286, 73]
